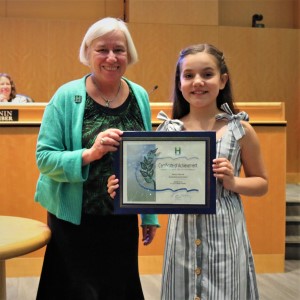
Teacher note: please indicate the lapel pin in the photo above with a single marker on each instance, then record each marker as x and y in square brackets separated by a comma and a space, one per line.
[77, 99]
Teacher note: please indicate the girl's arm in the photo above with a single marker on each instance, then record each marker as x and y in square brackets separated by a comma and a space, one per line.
[255, 182]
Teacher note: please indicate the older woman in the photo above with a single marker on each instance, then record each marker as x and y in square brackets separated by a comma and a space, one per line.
[93, 254]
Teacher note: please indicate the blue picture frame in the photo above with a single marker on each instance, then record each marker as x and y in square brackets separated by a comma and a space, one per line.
[165, 173]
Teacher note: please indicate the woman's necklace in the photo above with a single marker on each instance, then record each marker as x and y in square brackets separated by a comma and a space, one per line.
[107, 101]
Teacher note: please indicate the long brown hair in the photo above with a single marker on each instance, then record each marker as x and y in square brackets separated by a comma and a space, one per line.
[180, 106]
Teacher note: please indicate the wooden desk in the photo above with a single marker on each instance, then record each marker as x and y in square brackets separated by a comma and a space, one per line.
[265, 215]
[19, 236]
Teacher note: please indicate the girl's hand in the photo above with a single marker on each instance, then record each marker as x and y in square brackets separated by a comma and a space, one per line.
[254, 181]
[112, 185]
[224, 172]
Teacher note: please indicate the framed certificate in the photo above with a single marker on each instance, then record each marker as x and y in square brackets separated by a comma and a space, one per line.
[166, 172]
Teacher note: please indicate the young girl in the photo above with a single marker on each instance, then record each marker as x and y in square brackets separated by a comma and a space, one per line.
[209, 256]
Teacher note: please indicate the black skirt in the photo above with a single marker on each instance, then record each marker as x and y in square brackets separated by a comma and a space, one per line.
[96, 260]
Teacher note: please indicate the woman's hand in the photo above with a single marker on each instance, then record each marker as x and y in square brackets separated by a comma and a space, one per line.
[148, 233]
[112, 185]
[106, 141]
[3, 98]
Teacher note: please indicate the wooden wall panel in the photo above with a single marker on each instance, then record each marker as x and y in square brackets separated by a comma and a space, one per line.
[43, 54]
[297, 14]
[24, 55]
[276, 13]
[158, 46]
[63, 60]
[264, 66]
[62, 9]
[2, 8]
[189, 12]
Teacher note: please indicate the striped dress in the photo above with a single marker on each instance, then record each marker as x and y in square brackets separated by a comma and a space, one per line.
[208, 257]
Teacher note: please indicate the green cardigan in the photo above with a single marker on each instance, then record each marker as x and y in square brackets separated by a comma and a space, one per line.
[59, 151]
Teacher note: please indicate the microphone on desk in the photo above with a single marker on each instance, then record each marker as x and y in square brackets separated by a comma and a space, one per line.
[153, 89]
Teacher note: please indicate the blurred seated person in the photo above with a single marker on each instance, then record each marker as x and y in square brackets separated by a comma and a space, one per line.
[8, 91]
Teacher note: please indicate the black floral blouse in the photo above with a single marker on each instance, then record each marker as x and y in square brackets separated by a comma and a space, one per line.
[97, 118]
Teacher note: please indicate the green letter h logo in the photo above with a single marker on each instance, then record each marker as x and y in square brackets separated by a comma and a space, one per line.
[177, 150]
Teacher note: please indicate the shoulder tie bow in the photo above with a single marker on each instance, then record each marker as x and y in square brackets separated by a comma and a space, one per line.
[234, 123]
[168, 124]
